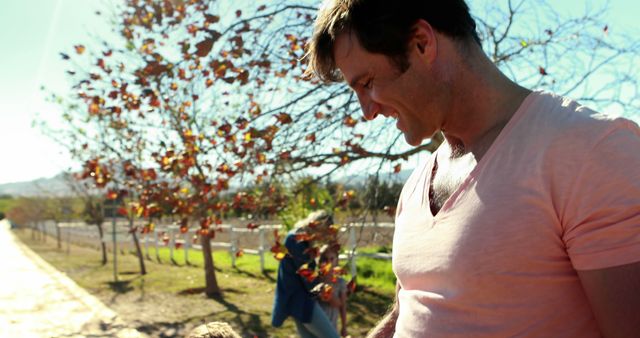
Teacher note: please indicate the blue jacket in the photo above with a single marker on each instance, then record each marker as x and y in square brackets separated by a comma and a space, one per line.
[292, 296]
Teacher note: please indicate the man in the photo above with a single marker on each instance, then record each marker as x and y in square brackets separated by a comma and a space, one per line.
[526, 220]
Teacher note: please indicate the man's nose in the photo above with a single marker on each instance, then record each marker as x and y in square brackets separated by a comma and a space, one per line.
[370, 108]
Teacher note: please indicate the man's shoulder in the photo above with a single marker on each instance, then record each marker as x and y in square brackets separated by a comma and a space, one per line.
[561, 119]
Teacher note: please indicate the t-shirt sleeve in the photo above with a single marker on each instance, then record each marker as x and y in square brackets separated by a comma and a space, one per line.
[603, 227]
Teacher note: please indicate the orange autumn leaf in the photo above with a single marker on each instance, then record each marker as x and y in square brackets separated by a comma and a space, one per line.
[211, 18]
[204, 47]
[326, 293]
[284, 118]
[79, 49]
[307, 273]
[112, 195]
[350, 121]
[123, 211]
[94, 108]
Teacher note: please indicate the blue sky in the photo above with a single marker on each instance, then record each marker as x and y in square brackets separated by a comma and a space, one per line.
[34, 32]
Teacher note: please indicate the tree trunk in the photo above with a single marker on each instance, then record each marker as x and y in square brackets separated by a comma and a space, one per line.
[58, 236]
[102, 244]
[211, 283]
[136, 243]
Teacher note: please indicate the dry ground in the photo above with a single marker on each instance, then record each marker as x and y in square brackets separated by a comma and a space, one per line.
[167, 302]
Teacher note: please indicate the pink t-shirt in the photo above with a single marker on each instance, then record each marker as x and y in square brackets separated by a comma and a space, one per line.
[558, 191]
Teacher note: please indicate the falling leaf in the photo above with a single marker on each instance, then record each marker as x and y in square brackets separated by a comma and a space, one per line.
[306, 272]
[94, 108]
[542, 71]
[326, 293]
[211, 18]
[350, 121]
[64, 56]
[112, 195]
[523, 43]
[284, 118]
[123, 211]
[155, 68]
[79, 49]
[397, 168]
[204, 47]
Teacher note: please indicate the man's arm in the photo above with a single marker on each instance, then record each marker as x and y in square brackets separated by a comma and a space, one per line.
[614, 294]
[387, 326]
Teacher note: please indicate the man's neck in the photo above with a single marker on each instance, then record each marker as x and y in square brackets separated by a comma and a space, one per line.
[485, 101]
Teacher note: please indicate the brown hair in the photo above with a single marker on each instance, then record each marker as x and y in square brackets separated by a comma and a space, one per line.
[384, 27]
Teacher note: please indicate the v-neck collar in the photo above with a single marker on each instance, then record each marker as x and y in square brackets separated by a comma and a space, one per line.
[489, 154]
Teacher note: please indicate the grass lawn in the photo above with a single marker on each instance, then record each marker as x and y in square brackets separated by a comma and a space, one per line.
[167, 301]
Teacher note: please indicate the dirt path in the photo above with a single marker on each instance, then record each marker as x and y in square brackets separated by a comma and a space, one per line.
[36, 300]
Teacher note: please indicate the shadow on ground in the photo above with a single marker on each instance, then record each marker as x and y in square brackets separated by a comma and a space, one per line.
[246, 324]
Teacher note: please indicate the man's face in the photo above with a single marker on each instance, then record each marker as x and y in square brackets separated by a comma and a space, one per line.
[383, 90]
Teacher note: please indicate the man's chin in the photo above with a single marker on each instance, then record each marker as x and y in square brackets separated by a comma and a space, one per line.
[412, 141]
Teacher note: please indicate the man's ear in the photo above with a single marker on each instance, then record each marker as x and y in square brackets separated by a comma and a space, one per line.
[424, 40]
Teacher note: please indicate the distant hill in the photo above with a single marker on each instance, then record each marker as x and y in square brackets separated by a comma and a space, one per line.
[56, 185]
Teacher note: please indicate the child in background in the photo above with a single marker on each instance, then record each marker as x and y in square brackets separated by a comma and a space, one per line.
[213, 330]
[337, 302]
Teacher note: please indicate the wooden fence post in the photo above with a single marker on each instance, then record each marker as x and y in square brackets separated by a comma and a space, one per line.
[352, 249]
[261, 249]
[155, 244]
[232, 247]
[186, 244]
[172, 243]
